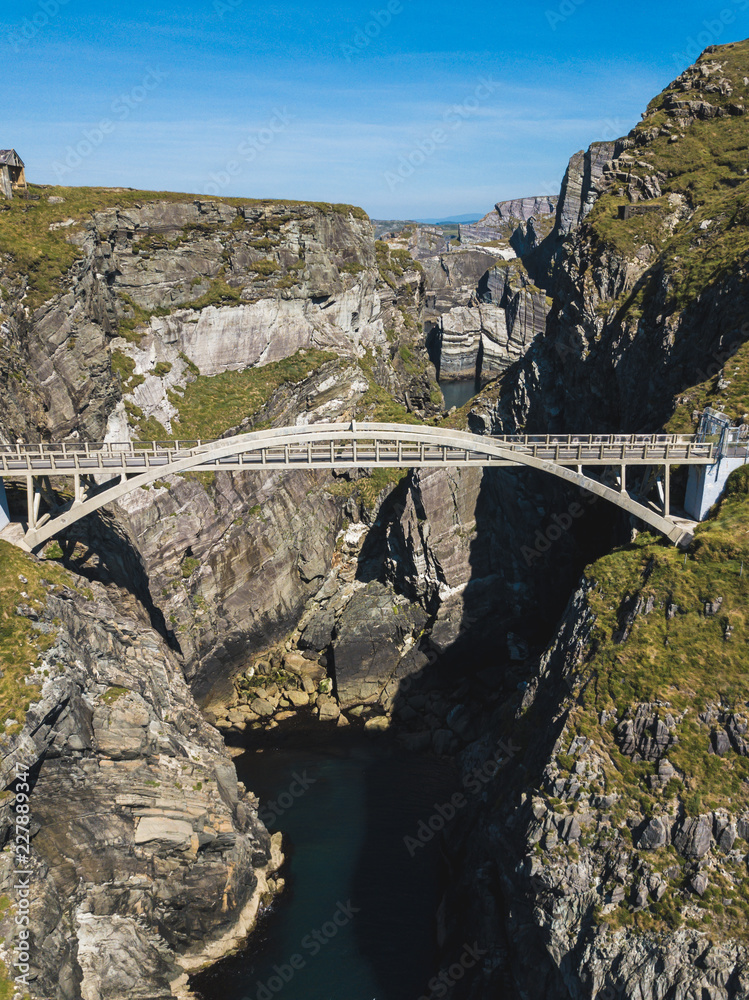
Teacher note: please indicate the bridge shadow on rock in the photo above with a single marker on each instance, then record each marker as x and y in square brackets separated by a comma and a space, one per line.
[462, 683]
[100, 549]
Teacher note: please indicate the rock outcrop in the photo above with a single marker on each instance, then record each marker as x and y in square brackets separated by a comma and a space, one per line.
[507, 217]
[148, 858]
[481, 315]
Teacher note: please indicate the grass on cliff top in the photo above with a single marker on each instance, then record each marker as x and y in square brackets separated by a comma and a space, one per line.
[20, 643]
[708, 166]
[46, 256]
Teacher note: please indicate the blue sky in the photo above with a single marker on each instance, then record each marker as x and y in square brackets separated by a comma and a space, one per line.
[410, 108]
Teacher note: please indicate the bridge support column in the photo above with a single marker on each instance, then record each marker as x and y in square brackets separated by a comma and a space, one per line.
[623, 479]
[4, 510]
[32, 503]
[666, 490]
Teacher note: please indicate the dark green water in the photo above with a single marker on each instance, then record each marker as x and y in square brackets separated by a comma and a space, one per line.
[357, 921]
[458, 393]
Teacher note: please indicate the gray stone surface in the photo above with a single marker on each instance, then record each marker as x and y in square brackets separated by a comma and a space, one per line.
[145, 847]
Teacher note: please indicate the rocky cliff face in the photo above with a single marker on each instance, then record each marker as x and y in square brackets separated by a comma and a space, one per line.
[148, 858]
[509, 218]
[636, 321]
[607, 858]
[482, 314]
[427, 598]
[182, 317]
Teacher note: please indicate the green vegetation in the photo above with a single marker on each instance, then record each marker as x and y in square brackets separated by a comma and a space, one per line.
[20, 643]
[393, 264]
[7, 984]
[113, 694]
[212, 403]
[189, 566]
[124, 366]
[726, 390]
[161, 368]
[706, 168]
[264, 268]
[53, 551]
[377, 403]
[46, 255]
[219, 294]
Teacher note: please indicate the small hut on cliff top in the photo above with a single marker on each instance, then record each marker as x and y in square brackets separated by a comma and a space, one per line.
[12, 173]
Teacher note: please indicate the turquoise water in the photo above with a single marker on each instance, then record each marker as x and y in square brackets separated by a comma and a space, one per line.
[458, 393]
[357, 920]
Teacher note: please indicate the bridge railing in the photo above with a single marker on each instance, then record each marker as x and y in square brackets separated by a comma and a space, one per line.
[116, 448]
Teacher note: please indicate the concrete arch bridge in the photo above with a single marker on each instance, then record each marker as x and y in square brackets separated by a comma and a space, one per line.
[128, 466]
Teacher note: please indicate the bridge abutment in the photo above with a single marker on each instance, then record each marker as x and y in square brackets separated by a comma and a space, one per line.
[706, 484]
[4, 510]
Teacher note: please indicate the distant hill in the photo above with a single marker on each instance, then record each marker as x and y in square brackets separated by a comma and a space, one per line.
[464, 219]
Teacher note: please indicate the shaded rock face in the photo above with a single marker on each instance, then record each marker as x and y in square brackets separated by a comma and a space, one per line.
[556, 921]
[546, 943]
[371, 638]
[480, 318]
[147, 854]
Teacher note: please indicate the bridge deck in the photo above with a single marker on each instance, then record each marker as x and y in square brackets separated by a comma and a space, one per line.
[363, 446]
[119, 468]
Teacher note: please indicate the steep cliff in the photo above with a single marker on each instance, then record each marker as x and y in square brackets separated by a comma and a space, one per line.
[608, 857]
[147, 858]
[508, 222]
[164, 315]
[650, 287]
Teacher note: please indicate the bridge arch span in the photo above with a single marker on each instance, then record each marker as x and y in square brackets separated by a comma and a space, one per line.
[356, 445]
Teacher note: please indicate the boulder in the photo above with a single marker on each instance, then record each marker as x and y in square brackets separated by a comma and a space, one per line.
[693, 837]
[654, 835]
[378, 723]
[698, 883]
[328, 709]
[299, 699]
[262, 708]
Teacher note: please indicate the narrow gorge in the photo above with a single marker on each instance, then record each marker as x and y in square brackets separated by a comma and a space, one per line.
[527, 704]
